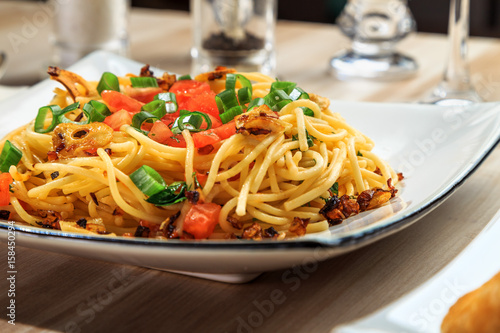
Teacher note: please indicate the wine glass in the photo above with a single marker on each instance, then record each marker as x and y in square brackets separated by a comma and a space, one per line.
[3, 63]
[375, 27]
[456, 88]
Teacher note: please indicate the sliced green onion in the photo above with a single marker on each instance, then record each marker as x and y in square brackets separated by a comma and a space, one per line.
[58, 116]
[245, 83]
[156, 108]
[96, 111]
[286, 86]
[108, 81]
[54, 110]
[281, 105]
[194, 120]
[144, 82]
[298, 93]
[244, 95]
[231, 81]
[10, 155]
[255, 103]
[184, 77]
[140, 118]
[226, 100]
[174, 193]
[274, 97]
[170, 101]
[230, 114]
[168, 97]
[148, 180]
[61, 117]
[219, 103]
[175, 126]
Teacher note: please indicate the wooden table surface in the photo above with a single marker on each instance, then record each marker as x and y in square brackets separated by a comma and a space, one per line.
[56, 292]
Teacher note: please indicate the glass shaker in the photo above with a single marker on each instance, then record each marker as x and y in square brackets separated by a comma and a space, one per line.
[375, 27]
[233, 33]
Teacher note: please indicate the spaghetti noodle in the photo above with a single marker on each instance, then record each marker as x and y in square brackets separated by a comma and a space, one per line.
[269, 161]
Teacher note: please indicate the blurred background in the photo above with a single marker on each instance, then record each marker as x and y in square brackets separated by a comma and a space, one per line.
[431, 15]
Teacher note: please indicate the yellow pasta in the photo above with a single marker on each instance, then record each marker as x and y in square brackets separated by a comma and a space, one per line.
[273, 178]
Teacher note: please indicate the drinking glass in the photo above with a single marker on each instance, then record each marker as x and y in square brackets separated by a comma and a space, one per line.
[456, 87]
[83, 26]
[375, 27]
[233, 33]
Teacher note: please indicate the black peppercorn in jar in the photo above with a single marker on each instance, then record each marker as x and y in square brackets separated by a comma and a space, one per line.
[233, 33]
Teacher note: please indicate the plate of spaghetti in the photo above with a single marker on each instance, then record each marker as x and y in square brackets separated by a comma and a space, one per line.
[208, 174]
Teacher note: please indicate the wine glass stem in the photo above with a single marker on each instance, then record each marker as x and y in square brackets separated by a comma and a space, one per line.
[457, 73]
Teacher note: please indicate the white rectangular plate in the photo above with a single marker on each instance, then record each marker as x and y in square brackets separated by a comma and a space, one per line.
[436, 148]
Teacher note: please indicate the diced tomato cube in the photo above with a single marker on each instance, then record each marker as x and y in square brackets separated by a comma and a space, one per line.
[169, 118]
[185, 89]
[144, 95]
[216, 122]
[5, 181]
[176, 141]
[201, 220]
[117, 101]
[225, 131]
[205, 138]
[160, 132]
[203, 102]
[211, 136]
[117, 119]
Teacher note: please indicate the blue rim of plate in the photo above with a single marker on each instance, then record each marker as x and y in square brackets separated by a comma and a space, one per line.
[358, 239]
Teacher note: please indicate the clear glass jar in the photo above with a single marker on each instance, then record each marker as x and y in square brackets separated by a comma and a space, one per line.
[80, 27]
[233, 33]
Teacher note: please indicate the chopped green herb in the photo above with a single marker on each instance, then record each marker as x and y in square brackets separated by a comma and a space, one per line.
[335, 189]
[108, 81]
[309, 138]
[172, 194]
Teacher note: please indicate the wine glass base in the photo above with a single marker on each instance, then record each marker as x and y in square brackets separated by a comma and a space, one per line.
[350, 64]
[449, 97]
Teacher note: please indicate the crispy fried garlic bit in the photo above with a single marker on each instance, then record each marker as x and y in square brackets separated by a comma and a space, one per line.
[216, 79]
[259, 121]
[74, 83]
[72, 140]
